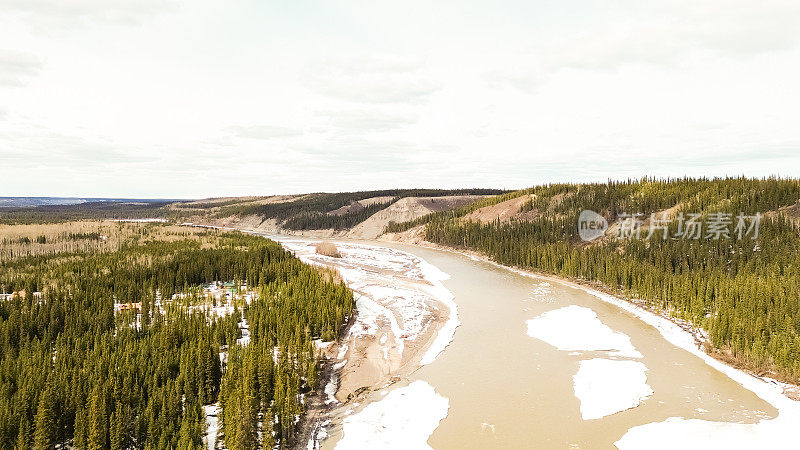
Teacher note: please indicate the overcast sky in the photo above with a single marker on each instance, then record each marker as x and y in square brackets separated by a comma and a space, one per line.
[198, 98]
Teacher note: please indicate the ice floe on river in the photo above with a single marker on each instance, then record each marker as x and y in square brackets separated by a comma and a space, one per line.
[403, 419]
[606, 386]
[575, 328]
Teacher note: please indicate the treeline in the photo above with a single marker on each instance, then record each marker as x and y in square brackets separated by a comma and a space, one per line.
[82, 211]
[75, 372]
[311, 211]
[745, 292]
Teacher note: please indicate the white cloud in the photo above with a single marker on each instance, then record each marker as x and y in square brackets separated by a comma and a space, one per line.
[17, 67]
[663, 32]
[374, 79]
[365, 121]
[264, 131]
[69, 13]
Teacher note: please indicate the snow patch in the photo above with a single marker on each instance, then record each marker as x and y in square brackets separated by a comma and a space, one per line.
[448, 331]
[677, 432]
[605, 387]
[212, 424]
[330, 390]
[319, 434]
[403, 419]
[245, 329]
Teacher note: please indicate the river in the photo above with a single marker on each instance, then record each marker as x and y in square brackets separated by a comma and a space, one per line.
[508, 390]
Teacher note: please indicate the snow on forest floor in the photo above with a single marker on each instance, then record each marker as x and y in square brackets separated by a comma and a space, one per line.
[215, 300]
[603, 386]
[403, 419]
[212, 424]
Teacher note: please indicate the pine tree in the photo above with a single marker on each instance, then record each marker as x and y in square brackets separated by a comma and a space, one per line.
[117, 428]
[80, 440]
[23, 435]
[45, 432]
[98, 426]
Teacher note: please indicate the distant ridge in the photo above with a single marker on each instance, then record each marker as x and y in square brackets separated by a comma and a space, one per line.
[22, 202]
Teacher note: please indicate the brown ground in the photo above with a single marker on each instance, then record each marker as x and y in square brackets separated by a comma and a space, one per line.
[258, 224]
[367, 369]
[414, 235]
[406, 209]
[790, 212]
[503, 211]
[327, 249]
[403, 210]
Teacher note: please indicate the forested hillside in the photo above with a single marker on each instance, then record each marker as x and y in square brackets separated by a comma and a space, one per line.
[743, 287]
[98, 351]
[322, 210]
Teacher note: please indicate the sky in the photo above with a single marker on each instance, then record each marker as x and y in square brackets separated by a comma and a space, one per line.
[207, 98]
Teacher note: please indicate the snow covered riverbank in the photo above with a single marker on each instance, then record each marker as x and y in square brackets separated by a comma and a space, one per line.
[397, 292]
[405, 317]
[677, 432]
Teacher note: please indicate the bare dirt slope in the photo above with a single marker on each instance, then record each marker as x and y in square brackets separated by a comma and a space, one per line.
[406, 209]
[790, 212]
[414, 236]
[359, 205]
[503, 211]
